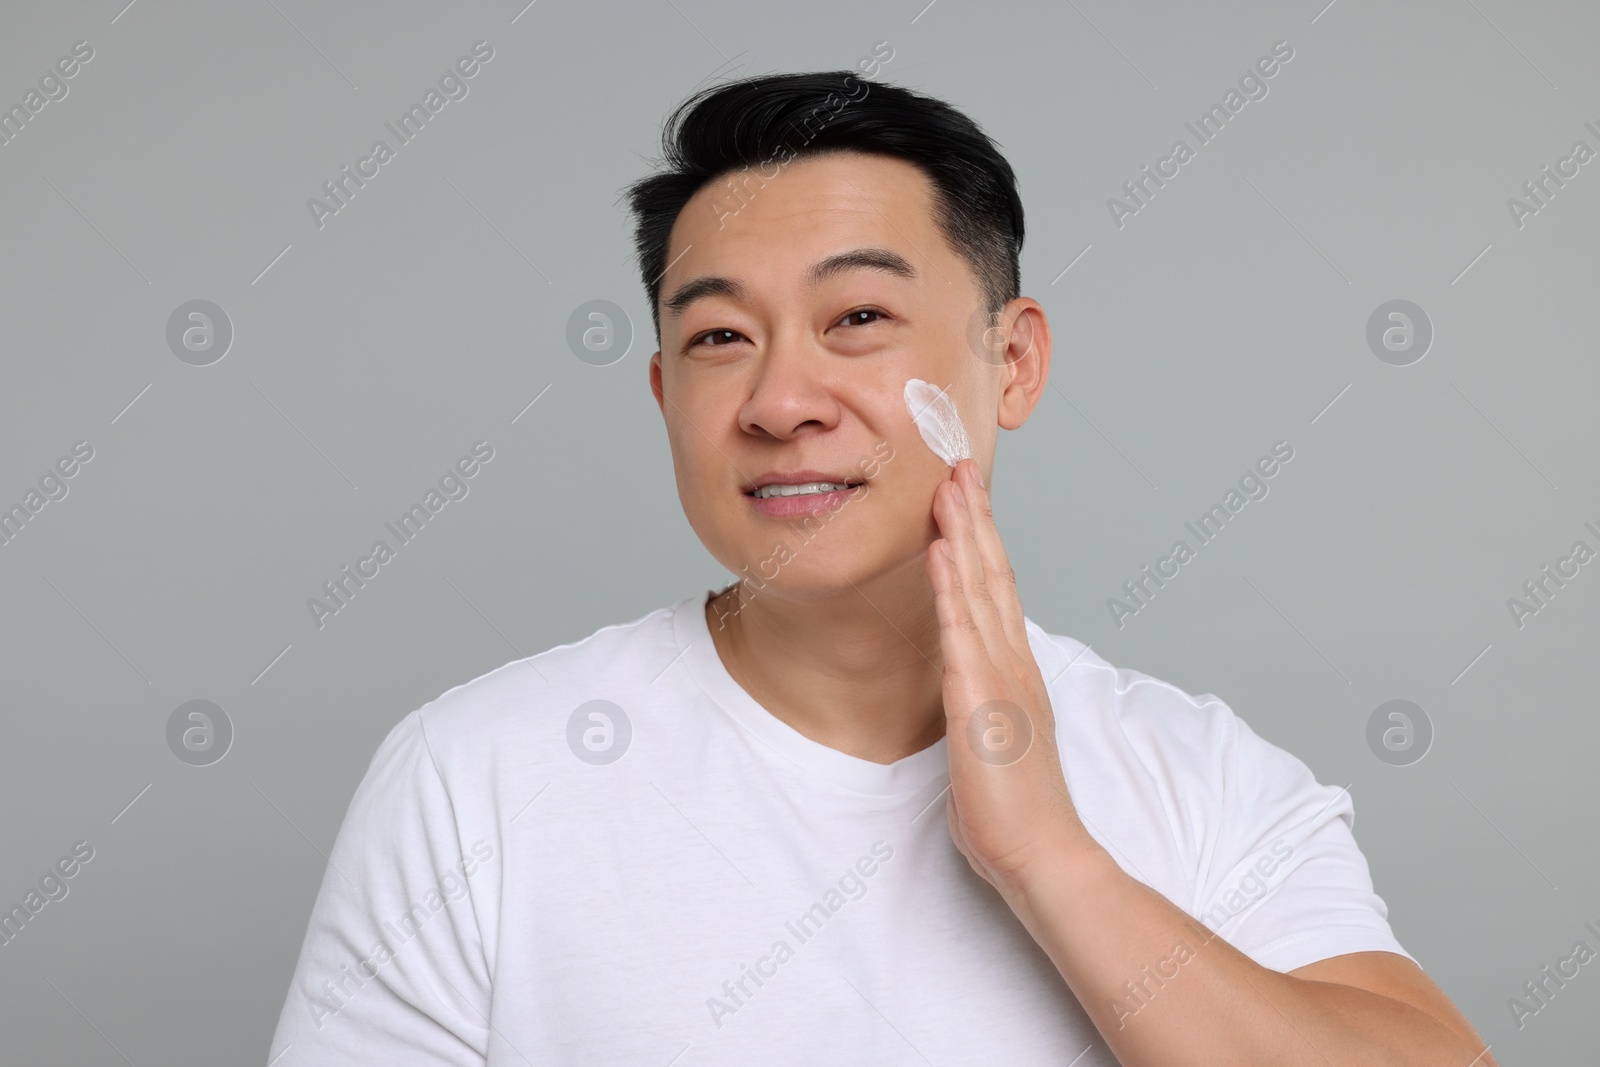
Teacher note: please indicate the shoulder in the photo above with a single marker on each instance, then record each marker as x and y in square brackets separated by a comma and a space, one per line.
[1193, 748]
[1155, 718]
[1263, 852]
[507, 711]
[1142, 753]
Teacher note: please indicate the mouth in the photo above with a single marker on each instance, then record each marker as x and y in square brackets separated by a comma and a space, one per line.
[781, 489]
[782, 484]
[796, 494]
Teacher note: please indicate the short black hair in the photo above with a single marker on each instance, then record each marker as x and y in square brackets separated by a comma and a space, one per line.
[774, 119]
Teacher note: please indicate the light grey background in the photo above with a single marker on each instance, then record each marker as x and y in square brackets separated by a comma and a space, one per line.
[370, 354]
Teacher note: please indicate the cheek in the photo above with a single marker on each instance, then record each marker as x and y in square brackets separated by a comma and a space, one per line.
[707, 485]
[938, 421]
[901, 504]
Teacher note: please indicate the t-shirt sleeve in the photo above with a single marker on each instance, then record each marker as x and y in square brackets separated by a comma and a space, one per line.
[392, 969]
[1285, 882]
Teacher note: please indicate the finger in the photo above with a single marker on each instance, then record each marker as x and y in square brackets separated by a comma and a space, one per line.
[1000, 580]
[991, 586]
[956, 522]
[960, 640]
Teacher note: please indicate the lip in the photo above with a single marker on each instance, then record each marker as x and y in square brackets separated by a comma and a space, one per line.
[800, 477]
[793, 507]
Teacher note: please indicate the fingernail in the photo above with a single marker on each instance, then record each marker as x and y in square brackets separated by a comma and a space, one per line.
[961, 498]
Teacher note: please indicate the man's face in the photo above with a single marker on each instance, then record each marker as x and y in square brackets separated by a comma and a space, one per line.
[788, 373]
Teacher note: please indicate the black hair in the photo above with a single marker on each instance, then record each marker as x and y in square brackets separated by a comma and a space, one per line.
[773, 119]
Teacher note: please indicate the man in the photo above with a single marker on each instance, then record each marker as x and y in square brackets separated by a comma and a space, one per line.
[856, 807]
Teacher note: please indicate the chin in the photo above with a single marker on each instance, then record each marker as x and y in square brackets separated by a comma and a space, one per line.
[817, 572]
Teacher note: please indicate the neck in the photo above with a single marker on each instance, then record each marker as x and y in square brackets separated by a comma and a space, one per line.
[860, 670]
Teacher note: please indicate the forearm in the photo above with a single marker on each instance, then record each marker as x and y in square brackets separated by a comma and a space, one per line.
[1165, 991]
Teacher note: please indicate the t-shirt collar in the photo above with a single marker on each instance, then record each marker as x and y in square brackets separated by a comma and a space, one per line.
[699, 655]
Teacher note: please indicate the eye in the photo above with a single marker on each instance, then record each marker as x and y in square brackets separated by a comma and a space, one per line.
[850, 319]
[705, 337]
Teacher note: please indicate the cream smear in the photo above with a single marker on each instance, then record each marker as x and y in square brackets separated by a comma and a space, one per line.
[935, 415]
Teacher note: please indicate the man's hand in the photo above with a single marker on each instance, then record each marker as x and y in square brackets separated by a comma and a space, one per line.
[1008, 807]
[1011, 816]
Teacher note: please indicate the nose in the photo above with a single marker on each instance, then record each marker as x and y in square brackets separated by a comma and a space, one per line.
[790, 390]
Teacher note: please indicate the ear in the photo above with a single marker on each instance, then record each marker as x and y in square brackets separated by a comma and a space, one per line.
[655, 382]
[1027, 360]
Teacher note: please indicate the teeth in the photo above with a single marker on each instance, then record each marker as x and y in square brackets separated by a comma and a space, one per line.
[803, 489]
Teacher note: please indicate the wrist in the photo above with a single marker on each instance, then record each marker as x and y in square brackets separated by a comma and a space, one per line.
[1062, 870]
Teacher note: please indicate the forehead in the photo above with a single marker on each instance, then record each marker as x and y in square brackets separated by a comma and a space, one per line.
[756, 222]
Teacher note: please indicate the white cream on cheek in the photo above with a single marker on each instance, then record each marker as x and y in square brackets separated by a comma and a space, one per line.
[934, 413]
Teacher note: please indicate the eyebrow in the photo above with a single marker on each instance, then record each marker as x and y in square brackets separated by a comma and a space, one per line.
[882, 260]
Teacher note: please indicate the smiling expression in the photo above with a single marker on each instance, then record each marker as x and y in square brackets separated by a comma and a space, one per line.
[788, 331]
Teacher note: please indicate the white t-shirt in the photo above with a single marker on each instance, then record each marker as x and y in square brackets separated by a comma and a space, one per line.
[673, 876]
